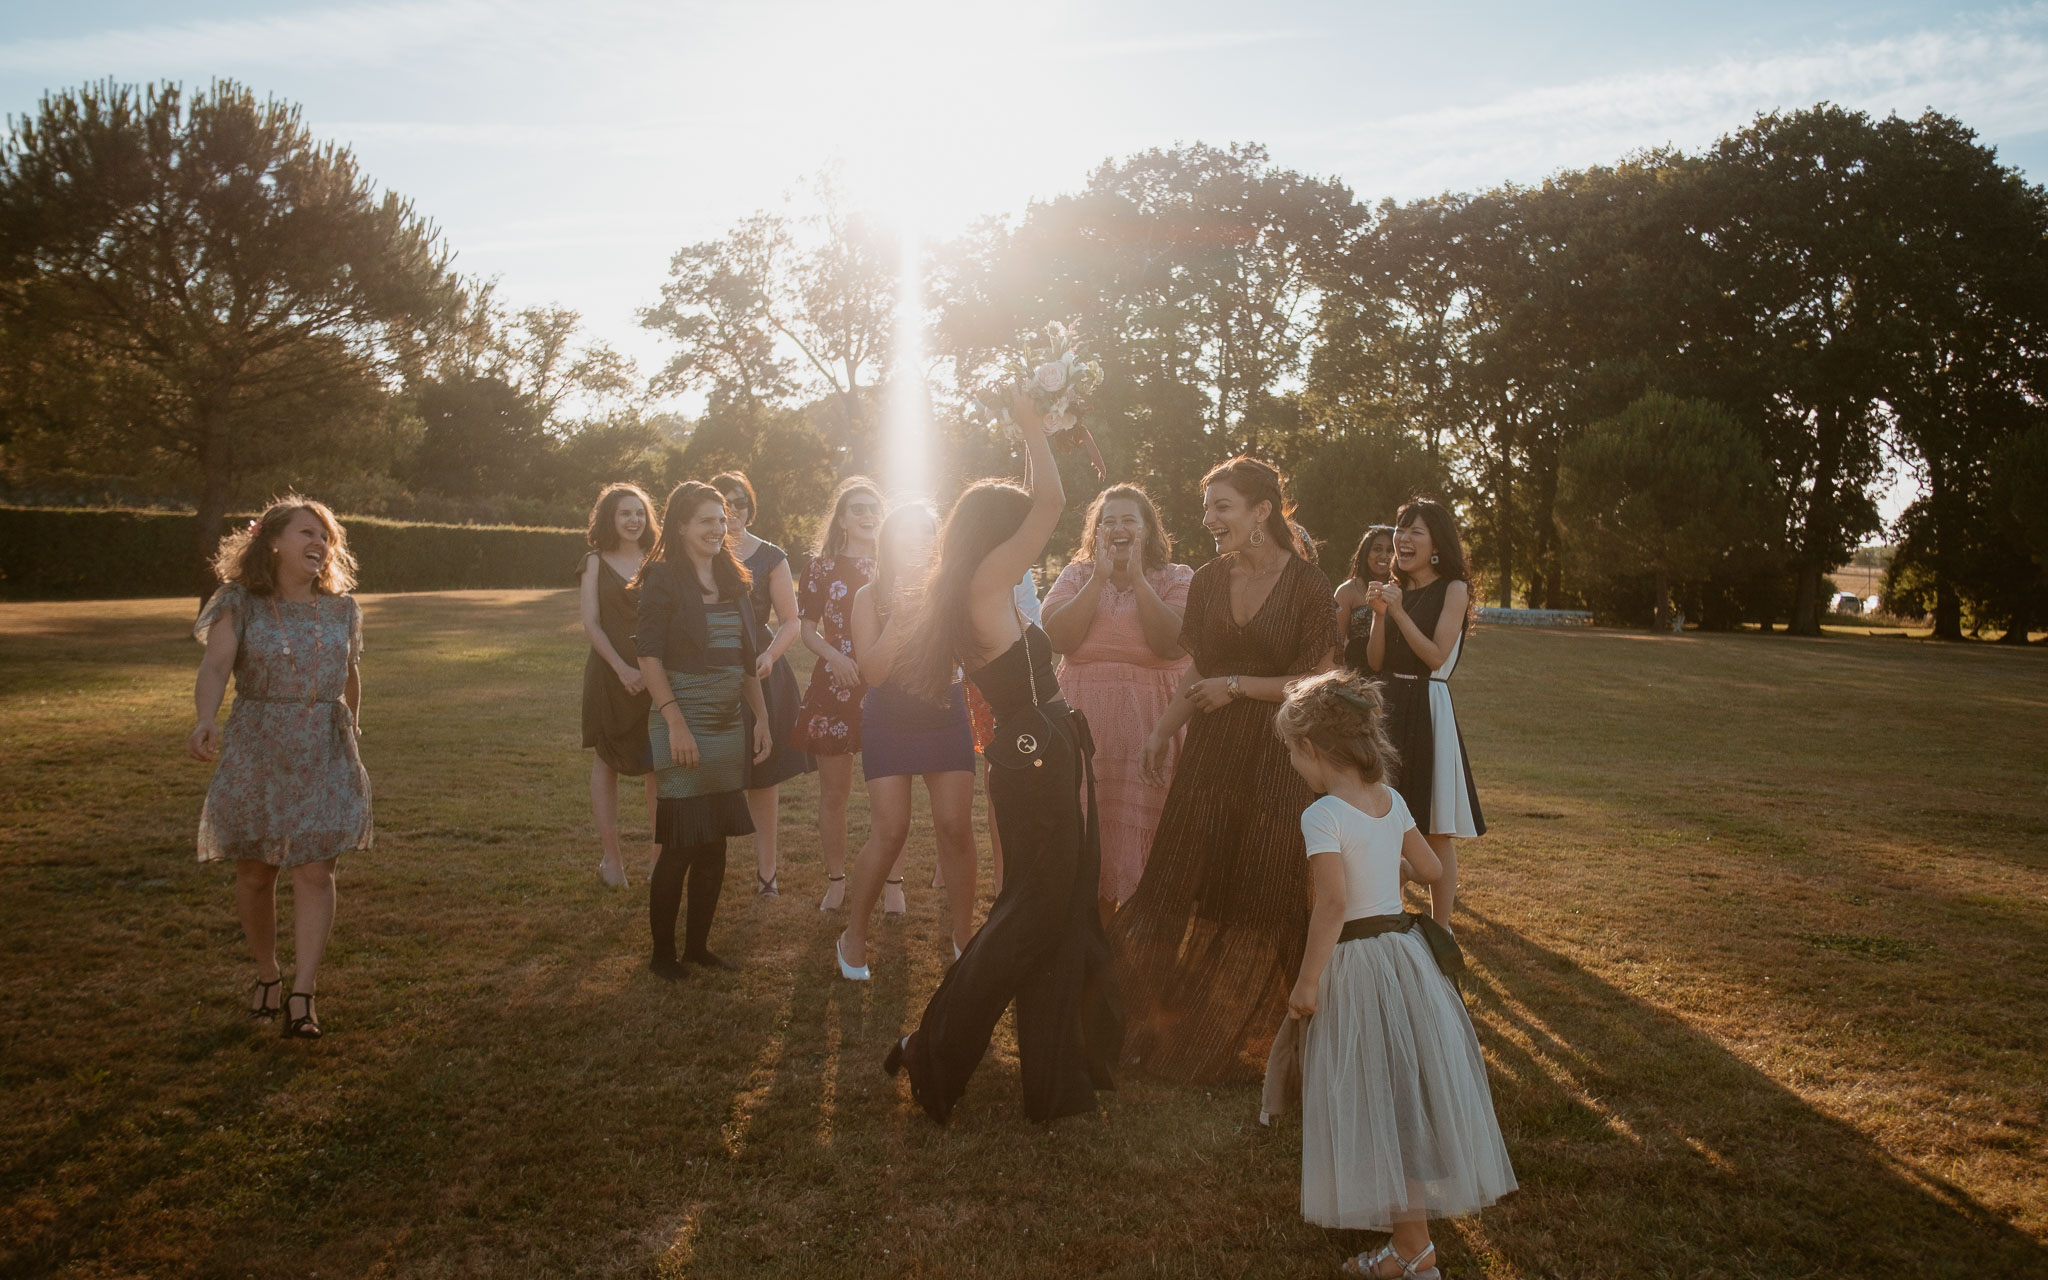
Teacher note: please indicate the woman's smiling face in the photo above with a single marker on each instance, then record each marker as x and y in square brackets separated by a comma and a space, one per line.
[1124, 525]
[1413, 546]
[862, 516]
[629, 520]
[704, 534]
[302, 546]
[1229, 518]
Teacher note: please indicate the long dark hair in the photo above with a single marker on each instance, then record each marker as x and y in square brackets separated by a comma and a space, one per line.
[1256, 482]
[1360, 565]
[1158, 550]
[830, 538]
[1443, 538]
[603, 531]
[731, 576]
[888, 564]
[940, 636]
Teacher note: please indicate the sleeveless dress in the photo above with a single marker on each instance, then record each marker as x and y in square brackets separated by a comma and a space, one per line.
[614, 721]
[1115, 679]
[697, 806]
[828, 723]
[1358, 634]
[290, 789]
[1042, 946]
[1210, 944]
[778, 691]
[1435, 777]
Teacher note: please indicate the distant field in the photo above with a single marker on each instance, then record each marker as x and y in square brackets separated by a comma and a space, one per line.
[1757, 940]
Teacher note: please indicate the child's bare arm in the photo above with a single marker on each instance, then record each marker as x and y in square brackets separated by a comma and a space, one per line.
[1324, 924]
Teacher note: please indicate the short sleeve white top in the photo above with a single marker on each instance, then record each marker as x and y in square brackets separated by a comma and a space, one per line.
[1371, 848]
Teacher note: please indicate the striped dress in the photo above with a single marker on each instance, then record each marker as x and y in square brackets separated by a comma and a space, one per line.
[709, 802]
[1210, 943]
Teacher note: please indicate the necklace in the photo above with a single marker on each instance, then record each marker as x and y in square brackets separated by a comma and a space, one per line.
[285, 638]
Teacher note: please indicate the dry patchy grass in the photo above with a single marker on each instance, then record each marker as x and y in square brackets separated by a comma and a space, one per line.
[1756, 937]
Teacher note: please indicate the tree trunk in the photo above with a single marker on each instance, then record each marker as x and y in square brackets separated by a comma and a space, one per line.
[1948, 606]
[1818, 534]
[2021, 622]
[1503, 524]
[216, 483]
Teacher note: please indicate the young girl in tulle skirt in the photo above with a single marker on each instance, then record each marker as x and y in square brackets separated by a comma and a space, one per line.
[1397, 1121]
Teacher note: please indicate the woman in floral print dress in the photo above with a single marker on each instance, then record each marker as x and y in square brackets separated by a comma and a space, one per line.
[828, 722]
[290, 790]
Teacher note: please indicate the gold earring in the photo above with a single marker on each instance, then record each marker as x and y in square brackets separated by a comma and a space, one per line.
[1258, 538]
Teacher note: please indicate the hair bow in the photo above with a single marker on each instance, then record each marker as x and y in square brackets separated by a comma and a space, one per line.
[1363, 704]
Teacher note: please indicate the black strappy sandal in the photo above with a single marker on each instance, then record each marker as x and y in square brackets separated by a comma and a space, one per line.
[301, 1027]
[263, 1010]
[767, 887]
[827, 904]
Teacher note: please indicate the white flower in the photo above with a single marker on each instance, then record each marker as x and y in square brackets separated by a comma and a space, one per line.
[1059, 420]
[1052, 377]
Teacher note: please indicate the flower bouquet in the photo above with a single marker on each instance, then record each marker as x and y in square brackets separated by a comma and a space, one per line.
[1059, 377]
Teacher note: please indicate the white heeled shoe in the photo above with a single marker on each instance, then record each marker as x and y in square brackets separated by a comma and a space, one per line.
[846, 970]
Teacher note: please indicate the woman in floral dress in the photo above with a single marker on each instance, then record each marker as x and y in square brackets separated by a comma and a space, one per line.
[828, 722]
[290, 790]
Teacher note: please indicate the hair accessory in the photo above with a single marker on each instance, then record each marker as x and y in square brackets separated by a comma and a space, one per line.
[253, 525]
[1363, 704]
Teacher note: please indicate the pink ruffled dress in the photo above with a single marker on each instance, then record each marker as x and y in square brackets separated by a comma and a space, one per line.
[1123, 688]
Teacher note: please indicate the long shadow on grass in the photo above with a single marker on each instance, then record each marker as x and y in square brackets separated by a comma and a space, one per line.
[1645, 1148]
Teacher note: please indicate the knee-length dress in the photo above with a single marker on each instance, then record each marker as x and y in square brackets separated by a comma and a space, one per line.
[778, 691]
[614, 721]
[707, 651]
[1042, 945]
[828, 723]
[1210, 943]
[290, 788]
[1115, 679]
[1435, 776]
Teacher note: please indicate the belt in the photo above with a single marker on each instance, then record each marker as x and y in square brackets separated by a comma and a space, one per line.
[1442, 946]
[1403, 675]
[342, 718]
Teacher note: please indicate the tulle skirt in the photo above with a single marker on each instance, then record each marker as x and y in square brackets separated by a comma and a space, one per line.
[1394, 1090]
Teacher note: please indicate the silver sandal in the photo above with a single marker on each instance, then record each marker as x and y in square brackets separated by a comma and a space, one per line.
[1370, 1266]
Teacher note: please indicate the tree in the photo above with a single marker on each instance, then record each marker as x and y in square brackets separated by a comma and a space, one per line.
[1668, 488]
[209, 248]
[716, 305]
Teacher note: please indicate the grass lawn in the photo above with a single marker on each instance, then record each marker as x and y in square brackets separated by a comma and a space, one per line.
[1758, 941]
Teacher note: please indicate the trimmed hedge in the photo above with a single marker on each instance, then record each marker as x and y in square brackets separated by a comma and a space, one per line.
[61, 553]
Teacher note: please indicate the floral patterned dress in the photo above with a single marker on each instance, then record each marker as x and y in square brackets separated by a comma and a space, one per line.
[290, 788]
[828, 722]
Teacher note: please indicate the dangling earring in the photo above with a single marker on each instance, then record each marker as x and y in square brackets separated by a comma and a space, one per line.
[1432, 557]
[1258, 538]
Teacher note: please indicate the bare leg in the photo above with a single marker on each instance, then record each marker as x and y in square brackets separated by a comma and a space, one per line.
[761, 806]
[893, 901]
[312, 921]
[604, 806]
[889, 814]
[952, 796]
[256, 904]
[1411, 1234]
[835, 787]
[1444, 893]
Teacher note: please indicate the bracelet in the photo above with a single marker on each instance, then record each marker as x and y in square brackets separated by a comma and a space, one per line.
[666, 705]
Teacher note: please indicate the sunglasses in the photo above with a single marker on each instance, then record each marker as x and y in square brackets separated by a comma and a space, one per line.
[863, 508]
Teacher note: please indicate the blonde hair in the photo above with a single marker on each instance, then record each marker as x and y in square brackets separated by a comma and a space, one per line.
[247, 555]
[1344, 717]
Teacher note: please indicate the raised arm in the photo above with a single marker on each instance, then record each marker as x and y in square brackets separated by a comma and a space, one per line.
[1069, 610]
[1160, 618]
[1001, 568]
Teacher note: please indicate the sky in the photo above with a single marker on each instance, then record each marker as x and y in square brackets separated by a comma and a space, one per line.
[568, 149]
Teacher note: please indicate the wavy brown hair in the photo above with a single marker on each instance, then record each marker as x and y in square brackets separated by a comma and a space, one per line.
[830, 540]
[940, 636]
[1257, 481]
[683, 501]
[602, 533]
[1158, 551]
[1342, 715]
[245, 556]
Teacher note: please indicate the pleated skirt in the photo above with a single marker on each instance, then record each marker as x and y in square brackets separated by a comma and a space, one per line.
[1394, 1091]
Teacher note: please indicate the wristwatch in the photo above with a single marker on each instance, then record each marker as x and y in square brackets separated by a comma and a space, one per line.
[1235, 692]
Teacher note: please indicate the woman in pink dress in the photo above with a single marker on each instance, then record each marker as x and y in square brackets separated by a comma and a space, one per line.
[1115, 613]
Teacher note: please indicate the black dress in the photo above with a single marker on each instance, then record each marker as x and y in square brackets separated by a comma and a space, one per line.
[1043, 944]
[614, 721]
[1357, 634]
[778, 691]
[1419, 714]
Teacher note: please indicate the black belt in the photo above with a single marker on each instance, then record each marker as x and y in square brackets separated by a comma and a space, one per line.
[1442, 946]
